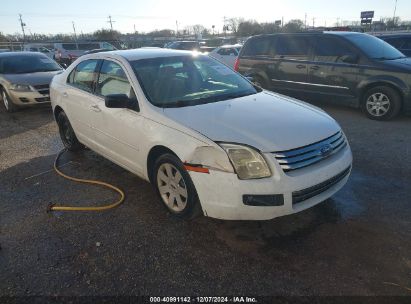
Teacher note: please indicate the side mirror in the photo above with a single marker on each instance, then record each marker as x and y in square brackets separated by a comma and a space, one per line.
[350, 58]
[121, 101]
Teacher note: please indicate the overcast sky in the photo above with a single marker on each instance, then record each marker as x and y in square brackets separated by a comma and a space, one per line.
[54, 16]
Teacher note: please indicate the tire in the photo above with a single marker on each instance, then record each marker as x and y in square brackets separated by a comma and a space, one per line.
[381, 103]
[178, 195]
[7, 103]
[67, 135]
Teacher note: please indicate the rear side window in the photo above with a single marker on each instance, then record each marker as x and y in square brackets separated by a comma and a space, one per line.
[260, 46]
[69, 46]
[113, 80]
[407, 44]
[227, 52]
[330, 49]
[395, 42]
[293, 47]
[84, 75]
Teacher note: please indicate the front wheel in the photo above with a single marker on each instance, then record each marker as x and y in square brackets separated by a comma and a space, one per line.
[175, 187]
[381, 103]
[67, 135]
[8, 104]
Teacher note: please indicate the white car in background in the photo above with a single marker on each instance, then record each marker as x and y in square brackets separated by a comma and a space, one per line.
[227, 54]
[209, 141]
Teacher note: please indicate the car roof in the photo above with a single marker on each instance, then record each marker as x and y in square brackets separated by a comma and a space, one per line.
[143, 53]
[11, 54]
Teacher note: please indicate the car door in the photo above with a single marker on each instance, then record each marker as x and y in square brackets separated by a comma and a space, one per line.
[334, 67]
[119, 131]
[80, 101]
[289, 71]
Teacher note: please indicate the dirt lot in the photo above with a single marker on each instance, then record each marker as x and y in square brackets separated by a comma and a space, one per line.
[357, 243]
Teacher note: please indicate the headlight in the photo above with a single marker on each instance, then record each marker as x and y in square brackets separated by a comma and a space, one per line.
[20, 87]
[248, 163]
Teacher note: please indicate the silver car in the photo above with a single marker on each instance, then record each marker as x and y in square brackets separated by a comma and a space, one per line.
[25, 79]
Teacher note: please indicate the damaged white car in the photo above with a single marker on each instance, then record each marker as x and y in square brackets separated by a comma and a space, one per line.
[206, 138]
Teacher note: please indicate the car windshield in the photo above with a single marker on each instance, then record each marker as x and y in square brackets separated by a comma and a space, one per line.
[21, 64]
[189, 80]
[375, 48]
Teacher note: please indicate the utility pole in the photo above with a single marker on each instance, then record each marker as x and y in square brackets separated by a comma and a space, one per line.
[313, 22]
[75, 34]
[22, 27]
[111, 22]
[305, 21]
[395, 12]
[176, 28]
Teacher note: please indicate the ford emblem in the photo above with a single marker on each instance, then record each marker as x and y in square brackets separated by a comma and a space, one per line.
[326, 150]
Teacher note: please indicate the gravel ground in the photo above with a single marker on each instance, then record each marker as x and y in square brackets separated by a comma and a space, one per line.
[356, 243]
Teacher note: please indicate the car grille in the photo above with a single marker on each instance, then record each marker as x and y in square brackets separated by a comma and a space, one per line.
[302, 157]
[302, 195]
[42, 99]
[43, 89]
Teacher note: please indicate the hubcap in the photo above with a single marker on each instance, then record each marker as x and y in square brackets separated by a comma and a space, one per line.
[172, 187]
[378, 104]
[5, 101]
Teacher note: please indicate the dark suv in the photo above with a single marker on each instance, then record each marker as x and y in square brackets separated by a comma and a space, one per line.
[347, 68]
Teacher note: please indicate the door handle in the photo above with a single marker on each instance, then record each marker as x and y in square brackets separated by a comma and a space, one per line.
[315, 67]
[301, 66]
[65, 94]
[95, 108]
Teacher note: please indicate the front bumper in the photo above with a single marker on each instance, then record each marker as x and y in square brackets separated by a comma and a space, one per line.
[221, 194]
[28, 98]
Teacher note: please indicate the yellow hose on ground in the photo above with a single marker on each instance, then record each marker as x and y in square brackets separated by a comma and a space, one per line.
[53, 207]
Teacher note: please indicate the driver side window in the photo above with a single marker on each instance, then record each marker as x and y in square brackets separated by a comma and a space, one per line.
[113, 80]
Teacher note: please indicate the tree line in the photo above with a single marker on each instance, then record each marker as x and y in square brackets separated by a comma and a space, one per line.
[237, 27]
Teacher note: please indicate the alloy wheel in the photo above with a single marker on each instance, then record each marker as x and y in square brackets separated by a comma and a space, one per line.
[378, 104]
[172, 187]
[5, 100]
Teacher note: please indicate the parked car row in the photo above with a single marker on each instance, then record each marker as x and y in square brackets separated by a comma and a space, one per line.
[342, 67]
[66, 52]
[196, 126]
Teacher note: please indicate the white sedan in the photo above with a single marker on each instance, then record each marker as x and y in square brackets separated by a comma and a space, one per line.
[227, 54]
[208, 140]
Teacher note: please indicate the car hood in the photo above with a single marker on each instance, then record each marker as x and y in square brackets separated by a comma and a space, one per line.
[266, 121]
[31, 78]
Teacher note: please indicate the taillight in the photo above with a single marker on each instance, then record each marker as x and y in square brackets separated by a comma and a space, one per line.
[236, 64]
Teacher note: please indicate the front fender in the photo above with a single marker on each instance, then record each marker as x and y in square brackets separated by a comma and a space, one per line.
[384, 79]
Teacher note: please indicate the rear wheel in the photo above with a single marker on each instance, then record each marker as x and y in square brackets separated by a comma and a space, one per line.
[8, 104]
[381, 103]
[67, 135]
[175, 187]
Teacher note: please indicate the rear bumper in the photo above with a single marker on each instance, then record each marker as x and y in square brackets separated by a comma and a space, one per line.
[222, 194]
